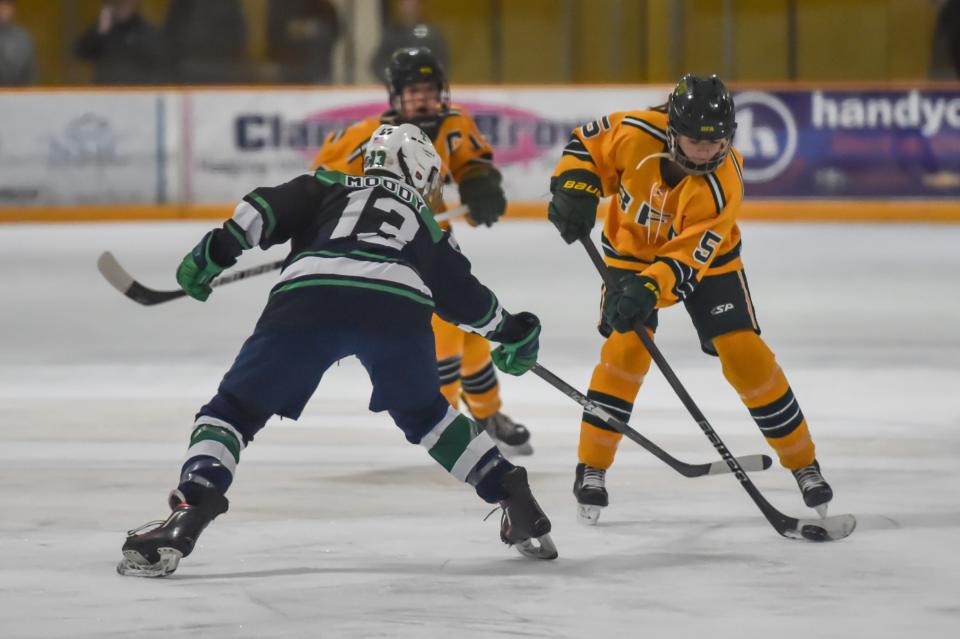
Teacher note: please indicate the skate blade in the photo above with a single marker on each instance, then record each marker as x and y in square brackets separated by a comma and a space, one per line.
[544, 548]
[588, 515]
[822, 510]
[133, 564]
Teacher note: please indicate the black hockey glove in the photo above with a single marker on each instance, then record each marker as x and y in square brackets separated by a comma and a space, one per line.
[573, 209]
[519, 337]
[631, 303]
[199, 266]
[482, 192]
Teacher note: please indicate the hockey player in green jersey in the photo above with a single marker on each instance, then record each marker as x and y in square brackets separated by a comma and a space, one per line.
[367, 268]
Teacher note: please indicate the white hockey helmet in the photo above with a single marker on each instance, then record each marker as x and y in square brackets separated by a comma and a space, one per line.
[406, 153]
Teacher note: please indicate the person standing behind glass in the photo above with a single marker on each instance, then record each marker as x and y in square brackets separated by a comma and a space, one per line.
[945, 57]
[208, 41]
[17, 64]
[300, 39]
[123, 47]
[408, 30]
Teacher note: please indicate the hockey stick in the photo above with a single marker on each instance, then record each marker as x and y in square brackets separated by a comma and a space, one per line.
[753, 462]
[452, 214]
[118, 277]
[826, 529]
[111, 270]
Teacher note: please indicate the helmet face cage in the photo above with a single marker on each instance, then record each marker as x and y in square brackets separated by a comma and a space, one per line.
[695, 168]
[701, 109]
[410, 66]
[406, 153]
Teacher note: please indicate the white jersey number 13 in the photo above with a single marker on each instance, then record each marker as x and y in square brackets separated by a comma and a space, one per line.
[386, 234]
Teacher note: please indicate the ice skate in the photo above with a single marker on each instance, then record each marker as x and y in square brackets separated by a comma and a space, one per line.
[524, 525]
[590, 489]
[816, 491]
[156, 551]
[514, 437]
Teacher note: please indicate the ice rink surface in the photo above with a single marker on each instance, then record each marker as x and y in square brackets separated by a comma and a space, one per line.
[339, 528]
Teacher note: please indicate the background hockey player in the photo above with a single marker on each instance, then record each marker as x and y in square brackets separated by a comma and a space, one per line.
[419, 94]
[368, 266]
[671, 235]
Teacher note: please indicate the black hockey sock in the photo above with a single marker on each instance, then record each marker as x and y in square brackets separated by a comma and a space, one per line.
[490, 471]
[200, 495]
[480, 382]
[206, 471]
[449, 370]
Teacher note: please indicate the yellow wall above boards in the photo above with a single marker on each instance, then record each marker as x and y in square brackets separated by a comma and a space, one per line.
[599, 41]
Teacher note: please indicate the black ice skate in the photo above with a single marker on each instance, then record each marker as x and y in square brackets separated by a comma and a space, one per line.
[523, 522]
[158, 551]
[590, 489]
[816, 491]
[515, 437]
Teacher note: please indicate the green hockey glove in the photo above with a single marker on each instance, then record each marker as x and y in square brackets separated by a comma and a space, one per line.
[573, 209]
[631, 303]
[519, 344]
[482, 193]
[197, 269]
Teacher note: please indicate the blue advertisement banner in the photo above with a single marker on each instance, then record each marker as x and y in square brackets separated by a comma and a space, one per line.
[850, 144]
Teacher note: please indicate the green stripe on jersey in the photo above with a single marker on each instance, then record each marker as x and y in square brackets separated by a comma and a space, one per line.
[354, 253]
[489, 314]
[426, 215]
[269, 218]
[238, 233]
[402, 292]
[329, 177]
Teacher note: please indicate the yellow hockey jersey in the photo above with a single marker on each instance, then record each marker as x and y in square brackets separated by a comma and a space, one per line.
[461, 147]
[675, 235]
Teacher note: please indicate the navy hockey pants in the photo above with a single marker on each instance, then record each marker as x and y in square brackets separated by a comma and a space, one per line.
[303, 332]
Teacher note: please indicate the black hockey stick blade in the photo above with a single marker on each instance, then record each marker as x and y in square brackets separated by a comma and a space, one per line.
[826, 529]
[751, 462]
[111, 270]
[832, 528]
[118, 277]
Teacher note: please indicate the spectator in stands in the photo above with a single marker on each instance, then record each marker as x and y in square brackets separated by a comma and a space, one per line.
[123, 47]
[945, 62]
[408, 30]
[208, 41]
[17, 65]
[300, 39]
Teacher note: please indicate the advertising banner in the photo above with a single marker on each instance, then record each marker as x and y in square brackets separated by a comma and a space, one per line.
[244, 139]
[211, 146]
[849, 144]
[796, 144]
[82, 148]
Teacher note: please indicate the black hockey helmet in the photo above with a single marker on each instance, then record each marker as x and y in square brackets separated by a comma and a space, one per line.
[702, 109]
[411, 65]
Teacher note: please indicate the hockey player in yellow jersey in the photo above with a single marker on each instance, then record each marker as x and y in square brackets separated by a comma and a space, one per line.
[671, 235]
[419, 94]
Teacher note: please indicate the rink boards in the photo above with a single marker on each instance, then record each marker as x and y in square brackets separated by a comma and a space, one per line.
[813, 153]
